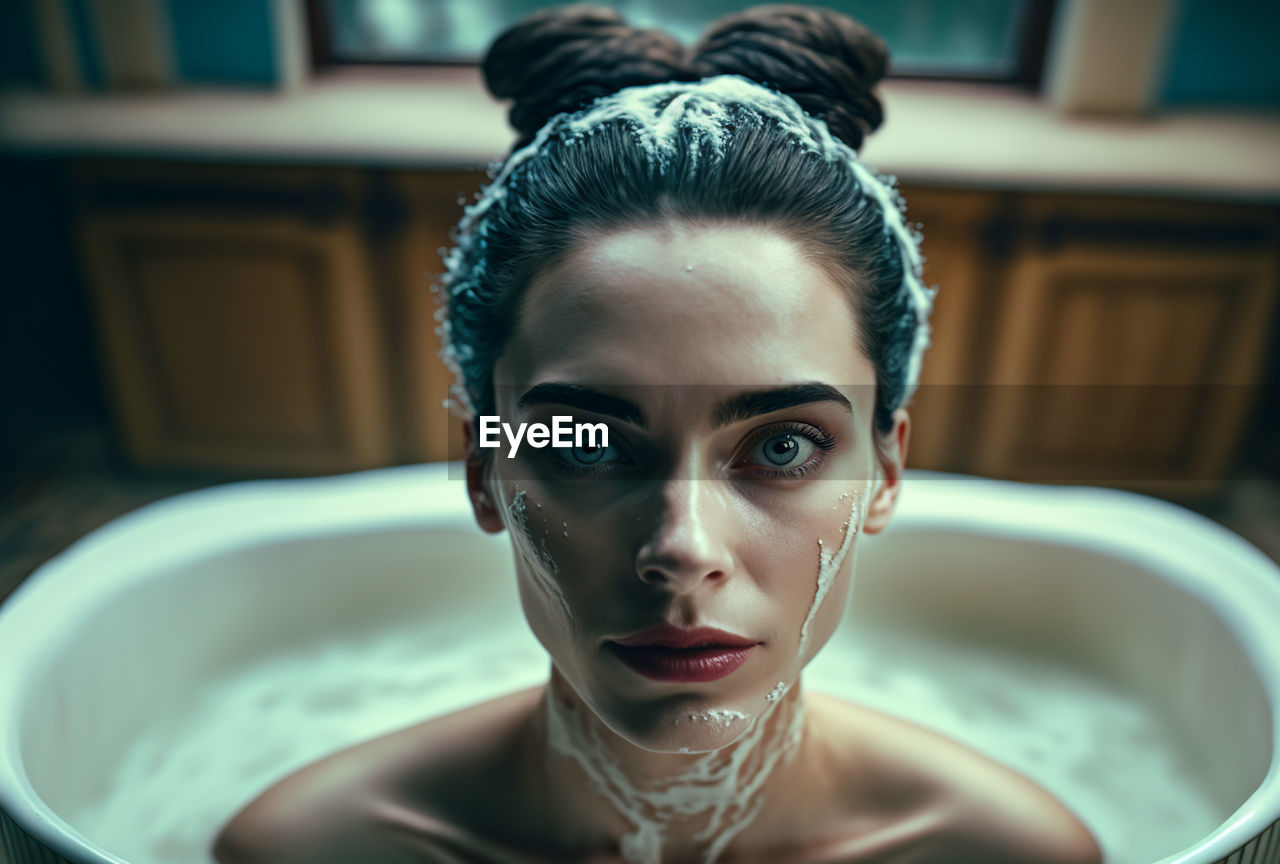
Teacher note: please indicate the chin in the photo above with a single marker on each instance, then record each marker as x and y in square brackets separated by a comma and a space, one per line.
[680, 723]
[704, 740]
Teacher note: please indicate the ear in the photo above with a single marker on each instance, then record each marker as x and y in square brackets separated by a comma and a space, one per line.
[891, 456]
[482, 503]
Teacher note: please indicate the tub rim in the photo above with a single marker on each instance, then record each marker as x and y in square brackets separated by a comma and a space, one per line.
[1114, 522]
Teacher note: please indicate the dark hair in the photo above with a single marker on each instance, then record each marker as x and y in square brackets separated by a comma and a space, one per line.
[556, 63]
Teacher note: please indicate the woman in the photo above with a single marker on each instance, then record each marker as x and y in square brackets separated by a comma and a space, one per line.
[684, 248]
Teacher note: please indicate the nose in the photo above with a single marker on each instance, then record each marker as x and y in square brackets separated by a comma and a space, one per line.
[689, 546]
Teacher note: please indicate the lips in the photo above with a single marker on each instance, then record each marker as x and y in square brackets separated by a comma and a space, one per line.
[668, 653]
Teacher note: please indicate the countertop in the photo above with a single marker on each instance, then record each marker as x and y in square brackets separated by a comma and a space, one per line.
[936, 133]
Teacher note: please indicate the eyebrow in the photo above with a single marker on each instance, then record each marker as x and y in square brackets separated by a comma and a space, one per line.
[744, 406]
[739, 407]
[584, 398]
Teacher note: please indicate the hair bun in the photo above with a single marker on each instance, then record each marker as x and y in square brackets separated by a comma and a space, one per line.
[826, 61]
[562, 58]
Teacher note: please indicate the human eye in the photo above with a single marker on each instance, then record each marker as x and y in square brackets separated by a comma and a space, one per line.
[587, 459]
[787, 451]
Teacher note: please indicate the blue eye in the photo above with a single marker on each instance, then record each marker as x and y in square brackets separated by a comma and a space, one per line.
[788, 452]
[784, 449]
[588, 457]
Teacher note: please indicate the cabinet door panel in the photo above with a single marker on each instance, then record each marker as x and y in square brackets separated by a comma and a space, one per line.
[1125, 367]
[246, 344]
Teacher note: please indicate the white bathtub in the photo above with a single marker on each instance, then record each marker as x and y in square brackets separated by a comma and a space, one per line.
[133, 621]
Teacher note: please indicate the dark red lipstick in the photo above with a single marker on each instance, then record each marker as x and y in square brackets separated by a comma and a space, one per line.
[668, 653]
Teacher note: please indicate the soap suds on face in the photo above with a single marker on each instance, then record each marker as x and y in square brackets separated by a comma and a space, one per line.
[718, 717]
[722, 787]
[829, 565]
[750, 792]
[779, 690]
[541, 565]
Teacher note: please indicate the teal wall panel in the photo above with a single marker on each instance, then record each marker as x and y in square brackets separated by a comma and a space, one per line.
[20, 58]
[1224, 52]
[223, 42]
[85, 39]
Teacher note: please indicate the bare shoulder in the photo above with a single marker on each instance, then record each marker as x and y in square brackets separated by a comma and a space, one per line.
[398, 798]
[975, 809]
[1005, 817]
[304, 818]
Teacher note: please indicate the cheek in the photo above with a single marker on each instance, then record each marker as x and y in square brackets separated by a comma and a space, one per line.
[833, 580]
[803, 556]
[538, 569]
[566, 575]
[825, 614]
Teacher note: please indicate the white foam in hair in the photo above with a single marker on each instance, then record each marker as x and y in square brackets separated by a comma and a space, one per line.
[656, 115]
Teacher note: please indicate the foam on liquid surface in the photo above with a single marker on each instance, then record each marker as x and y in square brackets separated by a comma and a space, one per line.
[1099, 751]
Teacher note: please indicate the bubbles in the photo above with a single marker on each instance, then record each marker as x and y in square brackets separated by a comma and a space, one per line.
[1103, 751]
[893, 206]
[723, 718]
[657, 114]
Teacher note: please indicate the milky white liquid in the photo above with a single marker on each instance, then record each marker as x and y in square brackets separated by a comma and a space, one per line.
[1099, 751]
[723, 785]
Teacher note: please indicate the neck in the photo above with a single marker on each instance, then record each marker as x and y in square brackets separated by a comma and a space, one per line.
[690, 806]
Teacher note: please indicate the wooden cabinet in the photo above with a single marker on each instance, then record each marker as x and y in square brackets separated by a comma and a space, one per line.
[1128, 344]
[958, 262]
[239, 325]
[283, 320]
[431, 432]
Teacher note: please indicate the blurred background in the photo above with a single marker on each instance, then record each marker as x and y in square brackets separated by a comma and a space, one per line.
[221, 223]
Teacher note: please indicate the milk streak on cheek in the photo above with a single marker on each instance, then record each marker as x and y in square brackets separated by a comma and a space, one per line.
[722, 786]
[829, 565]
[542, 566]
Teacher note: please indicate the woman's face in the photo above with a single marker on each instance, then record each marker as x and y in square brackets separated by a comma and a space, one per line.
[740, 471]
